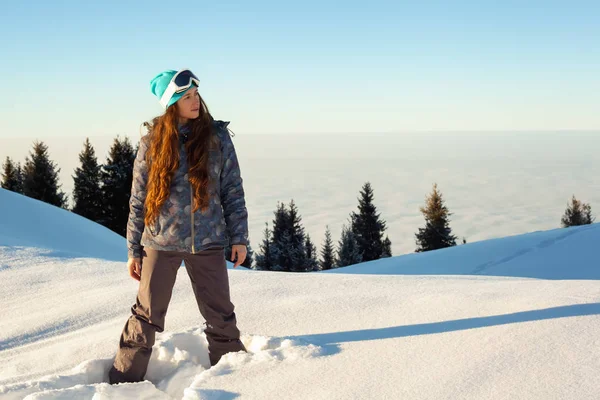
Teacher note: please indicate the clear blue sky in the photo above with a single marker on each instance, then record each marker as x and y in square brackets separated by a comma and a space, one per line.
[83, 68]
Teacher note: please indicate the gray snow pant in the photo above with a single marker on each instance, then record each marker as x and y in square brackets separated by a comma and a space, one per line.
[208, 273]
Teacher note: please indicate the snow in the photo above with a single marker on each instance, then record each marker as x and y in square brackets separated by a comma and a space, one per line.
[543, 255]
[514, 317]
[34, 224]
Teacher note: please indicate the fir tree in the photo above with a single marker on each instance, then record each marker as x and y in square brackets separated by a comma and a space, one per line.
[287, 249]
[40, 177]
[327, 256]
[348, 252]
[577, 213]
[296, 251]
[264, 260]
[284, 254]
[116, 175]
[19, 178]
[437, 233]
[12, 178]
[367, 226]
[387, 248]
[311, 255]
[87, 193]
[588, 217]
[280, 239]
[280, 222]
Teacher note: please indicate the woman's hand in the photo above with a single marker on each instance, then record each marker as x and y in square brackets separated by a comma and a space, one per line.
[135, 268]
[240, 250]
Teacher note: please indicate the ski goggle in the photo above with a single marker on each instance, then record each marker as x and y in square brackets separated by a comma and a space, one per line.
[180, 82]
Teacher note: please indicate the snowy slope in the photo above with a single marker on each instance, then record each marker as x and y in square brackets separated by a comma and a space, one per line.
[545, 255]
[32, 223]
[510, 318]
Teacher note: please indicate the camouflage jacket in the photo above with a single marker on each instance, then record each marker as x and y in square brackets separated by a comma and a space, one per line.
[177, 228]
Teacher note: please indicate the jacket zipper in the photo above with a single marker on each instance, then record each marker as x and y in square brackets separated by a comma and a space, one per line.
[192, 213]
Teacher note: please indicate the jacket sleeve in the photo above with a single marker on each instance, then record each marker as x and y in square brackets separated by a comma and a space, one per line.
[232, 193]
[135, 223]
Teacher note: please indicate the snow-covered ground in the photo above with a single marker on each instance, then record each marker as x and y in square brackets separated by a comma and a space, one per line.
[509, 318]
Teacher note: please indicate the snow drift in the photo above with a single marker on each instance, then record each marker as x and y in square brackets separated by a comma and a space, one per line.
[28, 222]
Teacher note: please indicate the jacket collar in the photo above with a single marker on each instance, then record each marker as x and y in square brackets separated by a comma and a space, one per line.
[219, 123]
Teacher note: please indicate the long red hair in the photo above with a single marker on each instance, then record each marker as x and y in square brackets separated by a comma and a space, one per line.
[163, 159]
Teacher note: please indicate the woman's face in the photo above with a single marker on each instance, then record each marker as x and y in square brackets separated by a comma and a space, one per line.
[188, 106]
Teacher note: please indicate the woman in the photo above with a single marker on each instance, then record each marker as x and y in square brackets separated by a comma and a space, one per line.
[187, 203]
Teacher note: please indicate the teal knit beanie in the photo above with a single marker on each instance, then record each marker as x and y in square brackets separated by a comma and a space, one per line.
[159, 84]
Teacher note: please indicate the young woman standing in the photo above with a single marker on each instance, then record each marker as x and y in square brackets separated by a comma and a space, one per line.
[187, 204]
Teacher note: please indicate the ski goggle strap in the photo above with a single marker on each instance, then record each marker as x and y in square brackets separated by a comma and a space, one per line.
[180, 82]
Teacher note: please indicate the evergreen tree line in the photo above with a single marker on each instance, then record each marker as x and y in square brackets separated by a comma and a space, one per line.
[101, 193]
[286, 247]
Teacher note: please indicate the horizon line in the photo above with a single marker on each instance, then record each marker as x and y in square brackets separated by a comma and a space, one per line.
[565, 130]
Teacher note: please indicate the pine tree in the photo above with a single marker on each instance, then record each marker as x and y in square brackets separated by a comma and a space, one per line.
[311, 255]
[19, 178]
[87, 193]
[387, 248]
[284, 253]
[297, 253]
[280, 222]
[367, 226]
[348, 252]
[288, 247]
[327, 257]
[280, 239]
[437, 233]
[40, 177]
[577, 213]
[588, 217]
[116, 175]
[264, 260]
[12, 178]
